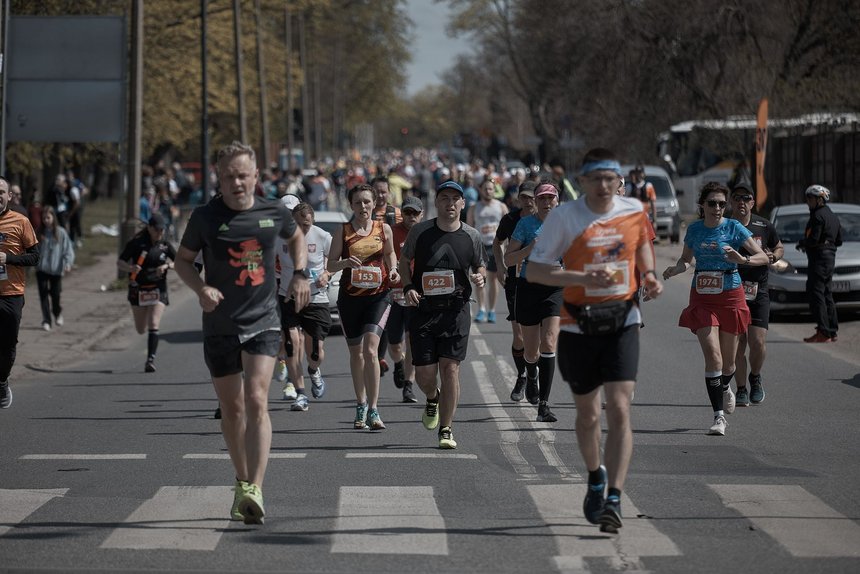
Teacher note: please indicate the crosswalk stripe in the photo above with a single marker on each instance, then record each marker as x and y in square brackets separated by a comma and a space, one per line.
[226, 456]
[83, 457]
[389, 520]
[410, 455]
[560, 507]
[176, 518]
[16, 504]
[798, 520]
[482, 347]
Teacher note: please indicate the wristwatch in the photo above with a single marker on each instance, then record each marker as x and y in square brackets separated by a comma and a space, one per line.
[303, 272]
[747, 257]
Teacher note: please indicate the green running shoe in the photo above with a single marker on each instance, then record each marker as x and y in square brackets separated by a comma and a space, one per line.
[238, 490]
[251, 505]
[446, 439]
[430, 416]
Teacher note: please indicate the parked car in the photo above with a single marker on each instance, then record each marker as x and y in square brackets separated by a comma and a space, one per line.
[668, 208]
[787, 289]
[330, 221]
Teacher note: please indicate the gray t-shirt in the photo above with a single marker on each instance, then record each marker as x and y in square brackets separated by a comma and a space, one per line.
[239, 260]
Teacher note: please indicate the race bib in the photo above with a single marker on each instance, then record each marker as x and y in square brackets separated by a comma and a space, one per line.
[750, 290]
[4, 276]
[438, 282]
[620, 272]
[148, 298]
[709, 282]
[366, 277]
[398, 297]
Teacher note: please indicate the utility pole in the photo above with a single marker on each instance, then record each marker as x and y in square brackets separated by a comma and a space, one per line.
[318, 151]
[240, 84]
[4, 69]
[261, 68]
[204, 116]
[303, 58]
[288, 32]
[135, 127]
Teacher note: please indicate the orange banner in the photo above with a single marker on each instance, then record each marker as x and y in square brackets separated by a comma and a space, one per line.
[760, 153]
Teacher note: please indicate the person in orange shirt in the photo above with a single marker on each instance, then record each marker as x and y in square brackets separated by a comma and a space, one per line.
[18, 249]
[602, 240]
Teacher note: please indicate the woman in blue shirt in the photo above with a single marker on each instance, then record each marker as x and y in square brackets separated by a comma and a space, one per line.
[718, 311]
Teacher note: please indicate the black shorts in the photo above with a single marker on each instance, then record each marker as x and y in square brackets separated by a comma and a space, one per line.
[314, 319]
[134, 294]
[398, 320]
[491, 259]
[223, 353]
[760, 308]
[588, 362]
[535, 302]
[439, 333]
[511, 296]
[360, 315]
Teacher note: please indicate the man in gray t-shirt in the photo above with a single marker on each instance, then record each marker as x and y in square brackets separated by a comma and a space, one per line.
[236, 232]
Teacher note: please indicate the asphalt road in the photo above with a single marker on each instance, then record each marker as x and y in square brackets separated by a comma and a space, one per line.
[103, 467]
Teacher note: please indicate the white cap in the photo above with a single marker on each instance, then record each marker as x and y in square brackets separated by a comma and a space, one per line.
[290, 201]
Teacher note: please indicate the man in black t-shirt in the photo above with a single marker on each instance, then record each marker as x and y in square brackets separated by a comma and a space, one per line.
[438, 261]
[754, 279]
[508, 278]
[236, 232]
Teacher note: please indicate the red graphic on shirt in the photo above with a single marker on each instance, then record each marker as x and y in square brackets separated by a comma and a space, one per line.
[251, 258]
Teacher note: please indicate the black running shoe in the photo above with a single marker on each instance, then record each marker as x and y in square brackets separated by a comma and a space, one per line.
[408, 395]
[610, 518]
[517, 394]
[217, 414]
[399, 376]
[5, 395]
[532, 392]
[592, 506]
[544, 414]
[150, 365]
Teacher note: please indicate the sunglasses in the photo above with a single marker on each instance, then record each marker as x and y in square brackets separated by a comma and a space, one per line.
[715, 203]
[743, 198]
[409, 212]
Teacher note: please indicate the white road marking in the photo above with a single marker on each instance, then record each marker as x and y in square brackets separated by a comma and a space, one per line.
[560, 506]
[176, 518]
[225, 456]
[509, 432]
[798, 520]
[410, 455]
[389, 520]
[83, 457]
[482, 347]
[16, 504]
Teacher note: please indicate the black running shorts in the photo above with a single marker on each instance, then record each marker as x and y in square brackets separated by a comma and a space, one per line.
[760, 309]
[511, 297]
[535, 302]
[314, 319]
[397, 323]
[588, 362]
[363, 314]
[439, 333]
[223, 353]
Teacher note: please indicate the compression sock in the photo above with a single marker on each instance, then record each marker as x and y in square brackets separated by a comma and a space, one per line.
[546, 372]
[727, 381]
[531, 369]
[714, 384]
[152, 343]
[519, 361]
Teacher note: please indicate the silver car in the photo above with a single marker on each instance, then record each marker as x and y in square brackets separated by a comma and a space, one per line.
[668, 223]
[330, 221]
[787, 288]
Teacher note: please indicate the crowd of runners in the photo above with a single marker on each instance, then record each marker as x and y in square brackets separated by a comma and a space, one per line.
[422, 242]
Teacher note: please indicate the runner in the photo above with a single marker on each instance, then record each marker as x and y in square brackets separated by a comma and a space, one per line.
[537, 307]
[19, 248]
[717, 312]
[241, 333]
[404, 371]
[146, 258]
[435, 265]
[309, 327]
[508, 279]
[754, 281]
[384, 211]
[601, 240]
[281, 375]
[363, 301]
[485, 217]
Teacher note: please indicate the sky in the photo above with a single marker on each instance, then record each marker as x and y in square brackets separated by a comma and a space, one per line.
[433, 51]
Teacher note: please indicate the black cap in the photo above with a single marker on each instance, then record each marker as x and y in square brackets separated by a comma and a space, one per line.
[157, 221]
[412, 203]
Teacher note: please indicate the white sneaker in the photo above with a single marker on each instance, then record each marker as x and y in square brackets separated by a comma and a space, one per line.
[290, 393]
[281, 371]
[60, 321]
[729, 401]
[719, 426]
[46, 326]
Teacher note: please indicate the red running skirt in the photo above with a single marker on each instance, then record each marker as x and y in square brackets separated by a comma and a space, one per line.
[727, 310]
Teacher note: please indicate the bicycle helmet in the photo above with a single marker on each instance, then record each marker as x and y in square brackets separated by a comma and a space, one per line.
[818, 191]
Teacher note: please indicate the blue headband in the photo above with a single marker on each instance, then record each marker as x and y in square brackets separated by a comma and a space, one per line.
[609, 164]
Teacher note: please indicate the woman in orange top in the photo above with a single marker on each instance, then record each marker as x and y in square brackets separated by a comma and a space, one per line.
[363, 249]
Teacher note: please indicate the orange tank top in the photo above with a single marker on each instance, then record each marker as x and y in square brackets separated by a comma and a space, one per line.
[372, 277]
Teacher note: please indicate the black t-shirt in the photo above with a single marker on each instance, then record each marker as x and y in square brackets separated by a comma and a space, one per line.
[433, 249]
[763, 233]
[156, 256]
[239, 260]
[505, 230]
[823, 231]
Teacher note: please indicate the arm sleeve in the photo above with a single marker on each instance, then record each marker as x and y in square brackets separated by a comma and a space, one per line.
[29, 258]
